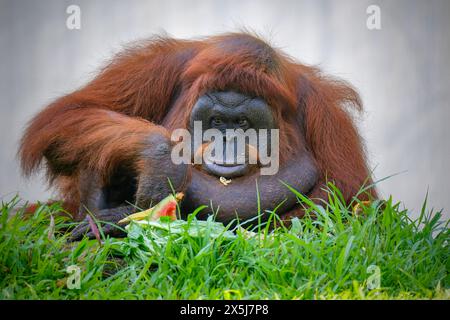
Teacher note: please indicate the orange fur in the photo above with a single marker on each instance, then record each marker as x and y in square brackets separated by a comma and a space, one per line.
[104, 124]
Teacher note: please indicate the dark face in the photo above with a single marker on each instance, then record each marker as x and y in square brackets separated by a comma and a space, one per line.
[231, 110]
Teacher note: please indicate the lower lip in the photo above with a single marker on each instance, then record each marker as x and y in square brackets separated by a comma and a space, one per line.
[226, 171]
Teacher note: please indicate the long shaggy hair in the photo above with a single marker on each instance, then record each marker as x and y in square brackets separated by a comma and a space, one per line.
[157, 82]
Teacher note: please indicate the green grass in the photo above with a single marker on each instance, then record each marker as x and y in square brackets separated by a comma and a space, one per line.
[331, 257]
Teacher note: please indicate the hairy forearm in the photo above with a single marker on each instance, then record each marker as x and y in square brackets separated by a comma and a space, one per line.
[82, 137]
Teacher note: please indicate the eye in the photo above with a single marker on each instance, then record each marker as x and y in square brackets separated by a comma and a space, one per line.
[216, 121]
[243, 122]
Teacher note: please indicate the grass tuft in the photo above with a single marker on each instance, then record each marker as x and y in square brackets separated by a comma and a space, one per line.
[379, 254]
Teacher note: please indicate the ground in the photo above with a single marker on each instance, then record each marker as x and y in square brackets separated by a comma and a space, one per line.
[379, 253]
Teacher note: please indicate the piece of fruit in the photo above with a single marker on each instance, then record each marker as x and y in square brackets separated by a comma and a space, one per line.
[165, 208]
[224, 181]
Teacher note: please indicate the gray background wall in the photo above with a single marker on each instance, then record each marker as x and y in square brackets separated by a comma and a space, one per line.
[401, 71]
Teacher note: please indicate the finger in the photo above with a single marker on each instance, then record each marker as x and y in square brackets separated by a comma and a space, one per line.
[78, 232]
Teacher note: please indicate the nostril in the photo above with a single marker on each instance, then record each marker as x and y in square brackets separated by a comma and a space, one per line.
[243, 124]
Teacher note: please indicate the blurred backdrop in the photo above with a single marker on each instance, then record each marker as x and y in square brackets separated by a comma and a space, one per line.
[401, 71]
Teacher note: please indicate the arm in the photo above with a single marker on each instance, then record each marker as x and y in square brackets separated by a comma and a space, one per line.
[332, 136]
[84, 128]
[110, 124]
[73, 138]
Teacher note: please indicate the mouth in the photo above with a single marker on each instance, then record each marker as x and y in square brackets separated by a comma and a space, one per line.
[226, 170]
